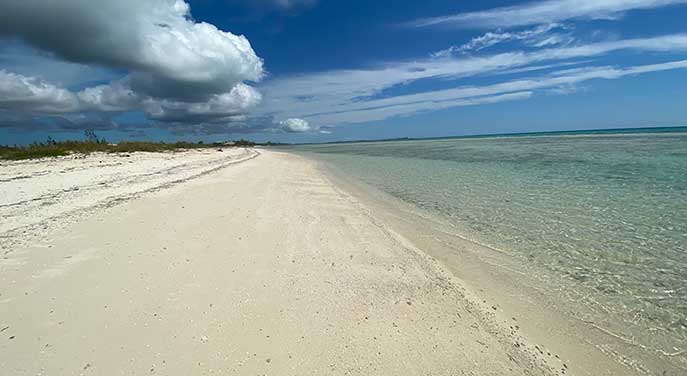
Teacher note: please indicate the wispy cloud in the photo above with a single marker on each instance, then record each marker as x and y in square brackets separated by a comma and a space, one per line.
[275, 4]
[342, 92]
[412, 104]
[540, 36]
[347, 96]
[542, 12]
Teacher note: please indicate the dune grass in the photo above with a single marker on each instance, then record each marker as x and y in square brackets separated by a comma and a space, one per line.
[51, 148]
[30, 153]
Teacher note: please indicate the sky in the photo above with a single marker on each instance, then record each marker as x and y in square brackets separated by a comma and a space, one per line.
[324, 70]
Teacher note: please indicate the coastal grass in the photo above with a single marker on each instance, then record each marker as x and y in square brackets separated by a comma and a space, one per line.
[52, 148]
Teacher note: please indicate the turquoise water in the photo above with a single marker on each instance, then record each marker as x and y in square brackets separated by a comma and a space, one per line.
[603, 212]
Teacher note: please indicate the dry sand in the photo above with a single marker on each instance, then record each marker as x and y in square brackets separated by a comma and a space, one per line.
[260, 267]
[32, 192]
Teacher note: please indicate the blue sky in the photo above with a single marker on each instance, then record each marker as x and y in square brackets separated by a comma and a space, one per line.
[308, 70]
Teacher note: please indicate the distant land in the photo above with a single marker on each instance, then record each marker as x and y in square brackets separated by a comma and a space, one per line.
[675, 129]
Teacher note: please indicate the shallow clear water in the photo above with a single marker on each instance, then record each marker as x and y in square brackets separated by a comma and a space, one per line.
[602, 212]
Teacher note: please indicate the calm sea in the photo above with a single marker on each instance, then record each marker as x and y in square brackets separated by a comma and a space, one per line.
[606, 212]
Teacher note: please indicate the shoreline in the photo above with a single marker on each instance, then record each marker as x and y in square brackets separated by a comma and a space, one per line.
[260, 267]
[265, 265]
[589, 347]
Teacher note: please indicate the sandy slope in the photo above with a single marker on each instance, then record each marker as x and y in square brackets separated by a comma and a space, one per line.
[263, 267]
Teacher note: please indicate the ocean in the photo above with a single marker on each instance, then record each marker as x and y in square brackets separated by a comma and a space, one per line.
[599, 212]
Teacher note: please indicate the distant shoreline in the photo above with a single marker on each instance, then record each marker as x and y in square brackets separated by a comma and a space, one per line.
[581, 132]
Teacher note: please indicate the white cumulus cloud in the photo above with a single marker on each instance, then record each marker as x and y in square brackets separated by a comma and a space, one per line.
[225, 107]
[185, 66]
[113, 97]
[28, 94]
[297, 125]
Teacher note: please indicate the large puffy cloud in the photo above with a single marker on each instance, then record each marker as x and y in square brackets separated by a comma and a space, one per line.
[177, 69]
[119, 96]
[114, 97]
[155, 39]
[17, 57]
[28, 94]
[31, 95]
[225, 107]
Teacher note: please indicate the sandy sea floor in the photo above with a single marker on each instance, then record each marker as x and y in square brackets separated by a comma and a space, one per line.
[239, 262]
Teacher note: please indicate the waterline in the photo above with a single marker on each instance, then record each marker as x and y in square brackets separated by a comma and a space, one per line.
[601, 217]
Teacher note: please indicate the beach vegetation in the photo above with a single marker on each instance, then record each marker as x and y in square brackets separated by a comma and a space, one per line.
[92, 143]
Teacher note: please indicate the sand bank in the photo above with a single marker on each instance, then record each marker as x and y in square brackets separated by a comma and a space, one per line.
[260, 267]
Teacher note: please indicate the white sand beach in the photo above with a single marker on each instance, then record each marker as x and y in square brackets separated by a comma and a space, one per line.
[199, 263]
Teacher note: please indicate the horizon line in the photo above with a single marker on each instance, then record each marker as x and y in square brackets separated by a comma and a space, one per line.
[667, 129]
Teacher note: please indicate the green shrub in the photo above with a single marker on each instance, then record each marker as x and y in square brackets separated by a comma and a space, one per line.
[17, 154]
[91, 144]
